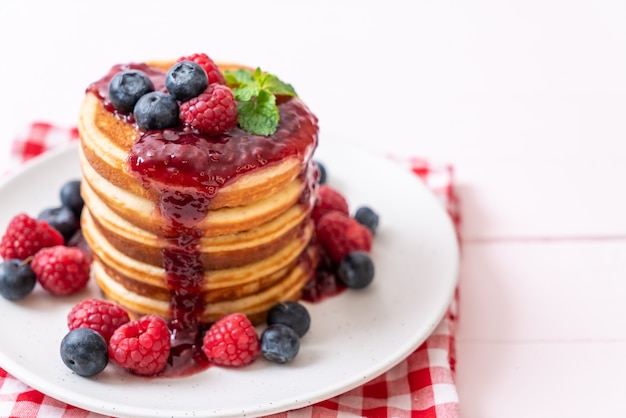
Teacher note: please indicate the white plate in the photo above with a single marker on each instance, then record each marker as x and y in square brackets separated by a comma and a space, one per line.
[354, 337]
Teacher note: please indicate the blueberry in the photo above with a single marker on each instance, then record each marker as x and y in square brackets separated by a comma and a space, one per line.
[367, 217]
[84, 351]
[322, 172]
[126, 87]
[156, 110]
[292, 314]
[279, 343]
[356, 270]
[70, 197]
[62, 219]
[17, 279]
[186, 80]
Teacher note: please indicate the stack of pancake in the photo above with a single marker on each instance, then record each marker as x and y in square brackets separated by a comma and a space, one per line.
[250, 245]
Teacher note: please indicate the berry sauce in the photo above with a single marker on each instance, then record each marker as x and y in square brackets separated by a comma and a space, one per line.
[186, 169]
[324, 282]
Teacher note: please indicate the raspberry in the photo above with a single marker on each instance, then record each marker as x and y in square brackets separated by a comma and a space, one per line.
[25, 236]
[141, 346]
[61, 270]
[212, 71]
[99, 315]
[329, 199]
[212, 112]
[339, 234]
[231, 341]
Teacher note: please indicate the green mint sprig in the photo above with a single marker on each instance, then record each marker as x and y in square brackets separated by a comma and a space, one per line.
[255, 93]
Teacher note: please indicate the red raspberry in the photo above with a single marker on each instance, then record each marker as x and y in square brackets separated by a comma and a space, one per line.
[214, 73]
[329, 199]
[61, 270]
[231, 341]
[99, 315]
[212, 112]
[25, 236]
[141, 346]
[339, 234]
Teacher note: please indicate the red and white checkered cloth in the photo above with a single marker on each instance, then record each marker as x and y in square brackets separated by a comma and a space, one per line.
[421, 386]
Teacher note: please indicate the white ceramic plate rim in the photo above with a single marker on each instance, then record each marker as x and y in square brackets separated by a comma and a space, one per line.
[354, 338]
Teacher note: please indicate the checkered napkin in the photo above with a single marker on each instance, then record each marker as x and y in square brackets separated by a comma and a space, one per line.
[422, 385]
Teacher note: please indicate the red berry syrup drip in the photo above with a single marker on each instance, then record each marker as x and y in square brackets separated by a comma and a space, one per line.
[186, 354]
[324, 282]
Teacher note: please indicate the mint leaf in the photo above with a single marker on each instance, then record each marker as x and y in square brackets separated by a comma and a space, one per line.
[259, 116]
[238, 77]
[276, 86]
[243, 84]
[246, 92]
[255, 92]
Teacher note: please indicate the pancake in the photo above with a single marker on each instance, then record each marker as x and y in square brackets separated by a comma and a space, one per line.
[190, 226]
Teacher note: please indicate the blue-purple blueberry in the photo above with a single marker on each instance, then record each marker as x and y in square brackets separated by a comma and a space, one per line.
[356, 270]
[84, 351]
[70, 196]
[292, 314]
[156, 110]
[126, 87]
[279, 343]
[17, 279]
[368, 218]
[186, 80]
